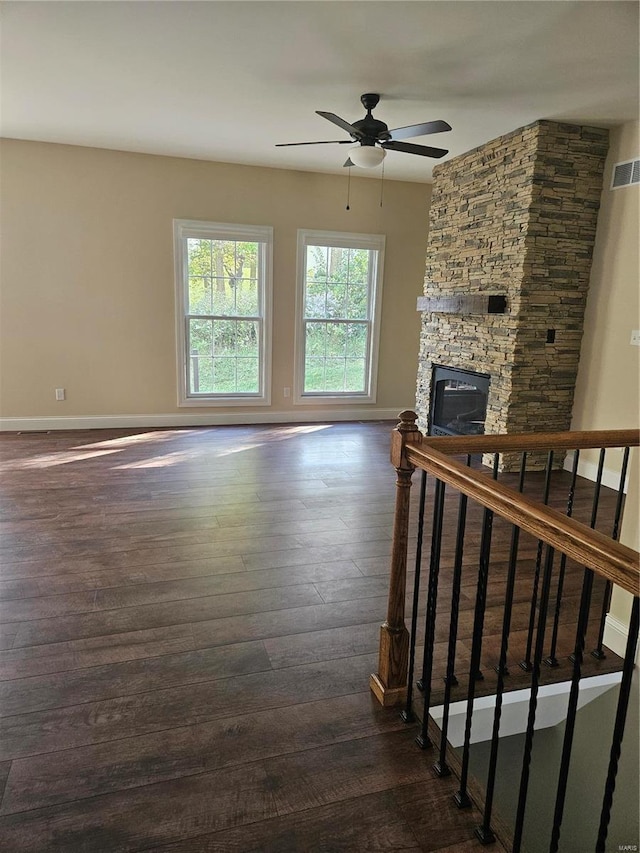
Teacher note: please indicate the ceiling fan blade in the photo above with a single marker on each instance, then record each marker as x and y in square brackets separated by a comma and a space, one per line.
[341, 123]
[419, 129]
[410, 148]
[326, 142]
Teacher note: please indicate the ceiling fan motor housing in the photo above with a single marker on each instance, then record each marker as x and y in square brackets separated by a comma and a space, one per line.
[371, 131]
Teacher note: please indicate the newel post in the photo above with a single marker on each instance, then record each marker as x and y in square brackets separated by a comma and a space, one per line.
[389, 684]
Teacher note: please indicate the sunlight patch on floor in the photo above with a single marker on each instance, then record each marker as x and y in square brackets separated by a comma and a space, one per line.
[50, 460]
[163, 461]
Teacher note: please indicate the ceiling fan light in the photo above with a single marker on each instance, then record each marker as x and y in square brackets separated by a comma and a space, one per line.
[366, 156]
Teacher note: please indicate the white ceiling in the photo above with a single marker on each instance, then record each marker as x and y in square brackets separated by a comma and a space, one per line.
[227, 80]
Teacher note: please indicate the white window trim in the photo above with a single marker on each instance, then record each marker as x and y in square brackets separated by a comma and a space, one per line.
[348, 241]
[184, 228]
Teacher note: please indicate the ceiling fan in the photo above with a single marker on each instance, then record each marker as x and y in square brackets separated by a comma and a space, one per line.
[373, 138]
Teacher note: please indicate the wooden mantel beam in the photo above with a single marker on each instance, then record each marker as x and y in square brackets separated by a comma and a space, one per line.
[475, 303]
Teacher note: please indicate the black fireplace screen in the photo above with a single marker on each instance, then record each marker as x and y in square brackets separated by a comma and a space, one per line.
[458, 402]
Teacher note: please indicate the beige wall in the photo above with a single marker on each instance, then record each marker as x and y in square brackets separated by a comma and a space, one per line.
[608, 386]
[607, 389]
[87, 299]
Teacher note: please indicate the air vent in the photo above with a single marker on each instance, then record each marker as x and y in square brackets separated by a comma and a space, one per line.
[625, 174]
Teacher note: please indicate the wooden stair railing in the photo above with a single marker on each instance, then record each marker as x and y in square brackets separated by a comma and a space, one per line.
[411, 450]
[601, 556]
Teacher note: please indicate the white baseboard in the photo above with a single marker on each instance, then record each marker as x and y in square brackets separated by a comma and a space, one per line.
[186, 419]
[589, 470]
[616, 634]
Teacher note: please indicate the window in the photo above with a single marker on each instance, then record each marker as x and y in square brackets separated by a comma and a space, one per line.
[339, 298]
[223, 298]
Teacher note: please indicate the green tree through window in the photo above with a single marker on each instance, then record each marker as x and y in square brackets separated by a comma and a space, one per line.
[338, 311]
[224, 313]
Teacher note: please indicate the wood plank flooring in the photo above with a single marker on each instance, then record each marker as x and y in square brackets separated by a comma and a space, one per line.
[189, 619]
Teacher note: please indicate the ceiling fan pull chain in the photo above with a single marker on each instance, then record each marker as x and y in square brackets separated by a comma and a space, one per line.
[348, 189]
[382, 184]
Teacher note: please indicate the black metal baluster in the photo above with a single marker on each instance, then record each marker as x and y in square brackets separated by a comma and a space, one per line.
[526, 662]
[462, 798]
[484, 832]
[552, 660]
[430, 621]
[581, 634]
[598, 651]
[533, 702]
[596, 490]
[441, 767]
[618, 730]
[496, 460]
[594, 517]
[407, 715]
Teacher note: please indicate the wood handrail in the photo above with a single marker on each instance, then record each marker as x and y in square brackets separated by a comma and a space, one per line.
[608, 558]
[528, 442]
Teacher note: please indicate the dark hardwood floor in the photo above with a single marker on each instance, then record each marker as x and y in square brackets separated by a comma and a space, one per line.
[189, 619]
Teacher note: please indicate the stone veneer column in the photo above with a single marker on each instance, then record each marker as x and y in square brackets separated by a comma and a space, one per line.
[516, 216]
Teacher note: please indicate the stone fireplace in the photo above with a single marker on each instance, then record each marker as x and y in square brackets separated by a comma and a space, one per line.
[511, 235]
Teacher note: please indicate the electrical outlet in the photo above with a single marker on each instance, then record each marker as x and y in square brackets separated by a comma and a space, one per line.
[287, 392]
[635, 338]
[60, 394]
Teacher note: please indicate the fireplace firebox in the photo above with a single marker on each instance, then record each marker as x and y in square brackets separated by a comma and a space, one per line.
[458, 401]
